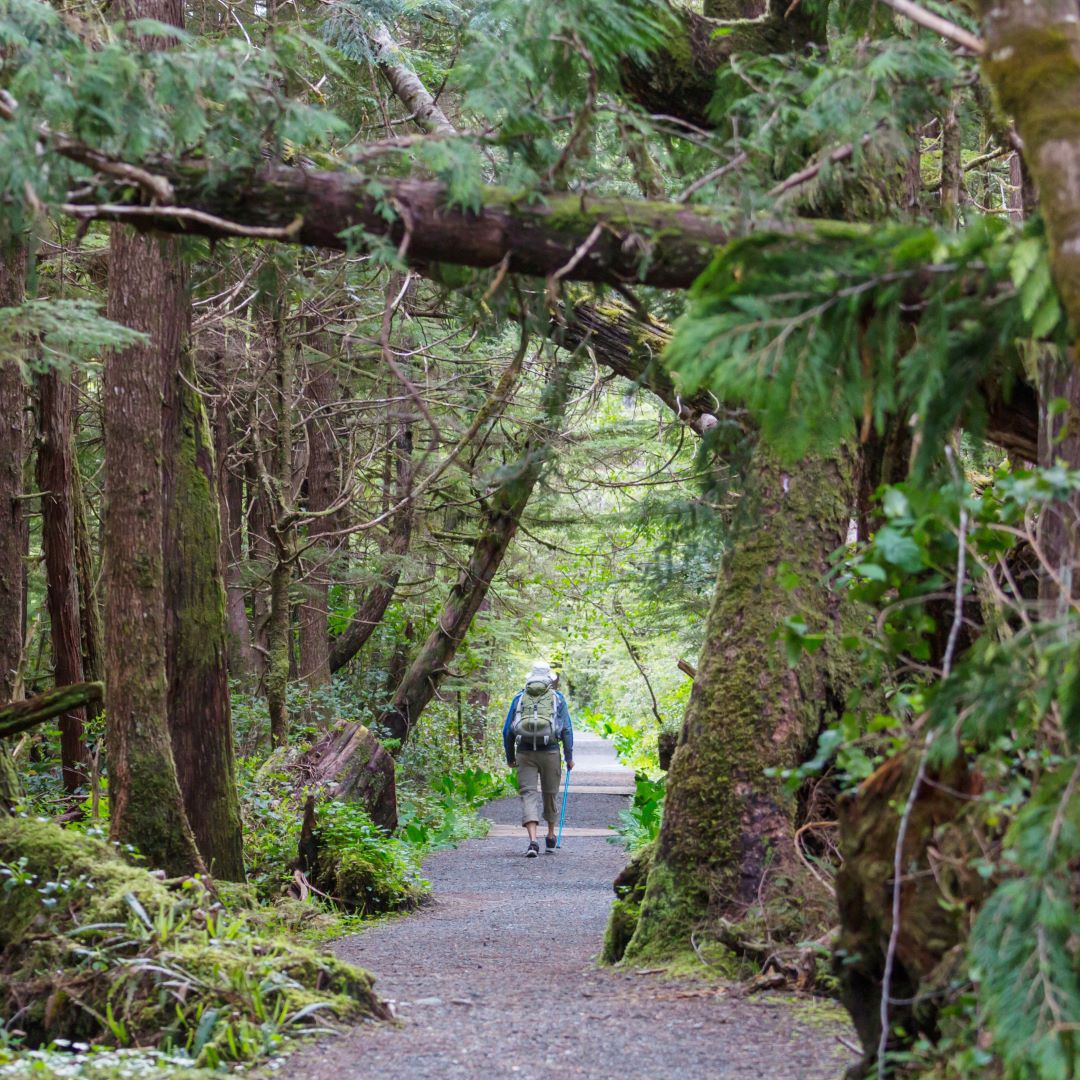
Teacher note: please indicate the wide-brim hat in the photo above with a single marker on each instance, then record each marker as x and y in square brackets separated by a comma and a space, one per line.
[541, 670]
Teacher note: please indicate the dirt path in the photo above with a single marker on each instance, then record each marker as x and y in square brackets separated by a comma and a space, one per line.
[497, 978]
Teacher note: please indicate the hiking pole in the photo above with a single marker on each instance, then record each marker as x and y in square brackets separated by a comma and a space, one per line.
[562, 812]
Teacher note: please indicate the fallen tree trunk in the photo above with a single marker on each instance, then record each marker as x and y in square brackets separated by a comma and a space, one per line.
[18, 716]
[573, 237]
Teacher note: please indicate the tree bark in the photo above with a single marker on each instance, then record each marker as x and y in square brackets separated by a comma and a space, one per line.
[278, 485]
[146, 806]
[1032, 58]
[200, 716]
[12, 456]
[90, 628]
[726, 825]
[242, 657]
[56, 481]
[12, 452]
[590, 239]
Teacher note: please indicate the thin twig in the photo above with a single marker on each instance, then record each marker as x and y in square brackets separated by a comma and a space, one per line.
[949, 30]
[117, 211]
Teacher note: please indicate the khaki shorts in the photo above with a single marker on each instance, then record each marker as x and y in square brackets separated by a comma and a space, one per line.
[545, 766]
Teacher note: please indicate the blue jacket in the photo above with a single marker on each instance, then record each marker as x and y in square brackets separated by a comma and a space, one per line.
[567, 736]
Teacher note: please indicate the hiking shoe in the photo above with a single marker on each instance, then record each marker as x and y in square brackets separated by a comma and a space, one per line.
[549, 844]
[532, 850]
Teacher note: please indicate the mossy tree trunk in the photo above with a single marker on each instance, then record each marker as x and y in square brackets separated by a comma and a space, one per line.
[12, 406]
[90, 629]
[146, 806]
[1032, 58]
[200, 717]
[56, 481]
[728, 830]
[230, 488]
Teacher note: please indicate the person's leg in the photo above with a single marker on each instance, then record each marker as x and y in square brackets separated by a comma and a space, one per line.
[528, 774]
[550, 777]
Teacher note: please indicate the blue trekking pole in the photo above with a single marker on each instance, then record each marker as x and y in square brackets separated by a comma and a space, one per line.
[562, 812]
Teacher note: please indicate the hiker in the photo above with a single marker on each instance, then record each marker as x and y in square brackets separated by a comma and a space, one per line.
[537, 722]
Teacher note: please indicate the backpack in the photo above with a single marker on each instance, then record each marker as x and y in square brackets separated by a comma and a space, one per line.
[536, 719]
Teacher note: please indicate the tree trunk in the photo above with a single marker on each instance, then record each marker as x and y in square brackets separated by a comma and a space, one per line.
[261, 554]
[200, 717]
[230, 487]
[501, 517]
[599, 239]
[12, 406]
[278, 485]
[323, 485]
[146, 807]
[726, 825]
[90, 628]
[377, 599]
[1032, 58]
[56, 481]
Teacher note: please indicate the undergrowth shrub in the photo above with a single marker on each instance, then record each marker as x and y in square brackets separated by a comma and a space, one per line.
[367, 871]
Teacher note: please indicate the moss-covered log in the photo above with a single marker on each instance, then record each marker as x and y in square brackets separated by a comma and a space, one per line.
[650, 242]
[727, 838]
[18, 716]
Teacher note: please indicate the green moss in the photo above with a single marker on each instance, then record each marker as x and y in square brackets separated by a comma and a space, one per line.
[749, 711]
[94, 948]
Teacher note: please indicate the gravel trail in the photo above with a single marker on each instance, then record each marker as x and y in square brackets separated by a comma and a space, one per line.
[498, 977]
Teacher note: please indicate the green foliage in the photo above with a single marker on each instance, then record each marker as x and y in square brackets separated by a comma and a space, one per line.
[572, 52]
[1009, 706]
[139, 101]
[376, 872]
[640, 821]
[57, 333]
[818, 333]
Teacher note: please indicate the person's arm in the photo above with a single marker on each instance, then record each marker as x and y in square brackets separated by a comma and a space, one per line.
[567, 732]
[508, 735]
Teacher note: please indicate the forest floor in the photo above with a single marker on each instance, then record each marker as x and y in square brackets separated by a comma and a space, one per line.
[498, 976]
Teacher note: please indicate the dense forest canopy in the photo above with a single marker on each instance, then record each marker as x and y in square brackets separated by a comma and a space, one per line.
[356, 353]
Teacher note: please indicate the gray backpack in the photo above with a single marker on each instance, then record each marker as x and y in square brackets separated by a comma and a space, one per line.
[536, 719]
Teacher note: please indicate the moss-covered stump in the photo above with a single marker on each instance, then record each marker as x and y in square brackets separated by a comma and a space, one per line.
[96, 949]
[940, 890]
[349, 763]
